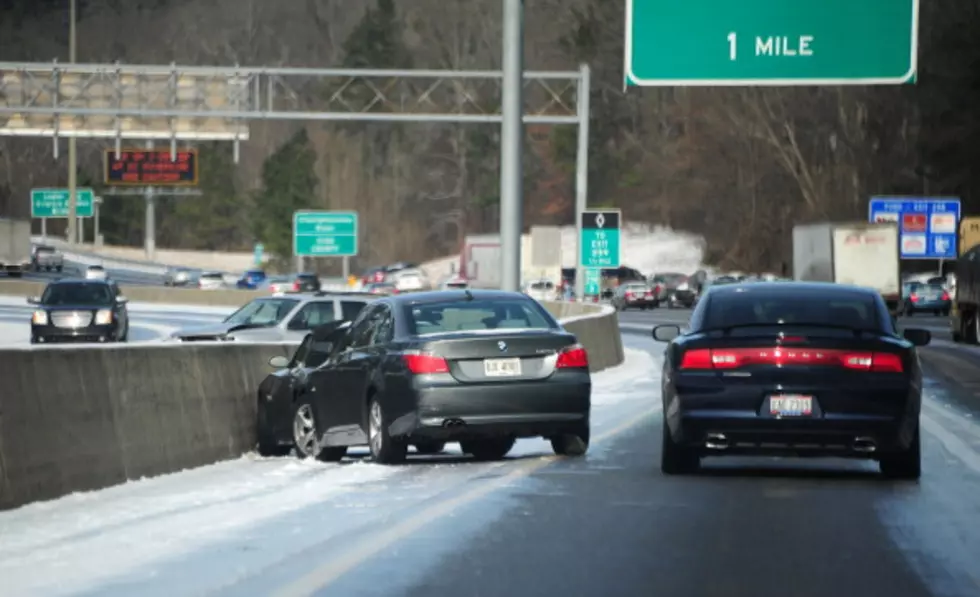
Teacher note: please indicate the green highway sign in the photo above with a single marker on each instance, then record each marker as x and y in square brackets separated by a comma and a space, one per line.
[325, 233]
[53, 203]
[771, 42]
[599, 244]
[592, 279]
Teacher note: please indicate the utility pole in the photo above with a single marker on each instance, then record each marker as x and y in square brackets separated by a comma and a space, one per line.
[72, 148]
[512, 146]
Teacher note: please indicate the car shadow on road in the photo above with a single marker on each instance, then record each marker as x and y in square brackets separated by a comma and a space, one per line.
[792, 471]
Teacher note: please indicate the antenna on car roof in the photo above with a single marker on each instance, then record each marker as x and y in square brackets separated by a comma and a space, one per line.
[469, 295]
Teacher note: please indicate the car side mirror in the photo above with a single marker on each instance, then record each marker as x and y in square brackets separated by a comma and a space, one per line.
[297, 324]
[666, 333]
[917, 336]
[279, 362]
[33, 300]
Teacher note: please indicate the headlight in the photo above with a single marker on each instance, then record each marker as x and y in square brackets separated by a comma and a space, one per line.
[103, 317]
[682, 286]
[40, 318]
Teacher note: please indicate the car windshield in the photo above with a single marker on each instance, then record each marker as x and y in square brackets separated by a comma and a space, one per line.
[262, 312]
[479, 315]
[755, 308]
[45, 250]
[77, 294]
[95, 268]
[211, 277]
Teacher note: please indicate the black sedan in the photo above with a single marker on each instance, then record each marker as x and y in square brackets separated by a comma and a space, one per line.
[79, 310]
[791, 368]
[482, 368]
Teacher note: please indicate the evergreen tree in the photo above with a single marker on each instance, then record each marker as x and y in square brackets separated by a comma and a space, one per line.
[216, 220]
[288, 184]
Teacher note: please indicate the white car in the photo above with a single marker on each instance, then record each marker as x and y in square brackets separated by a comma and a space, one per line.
[95, 272]
[409, 280]
[455, 284]
[211, 281]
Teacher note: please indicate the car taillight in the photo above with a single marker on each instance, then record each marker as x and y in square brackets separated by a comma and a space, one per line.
[945, 296]
[296, 286]
[425, 364]
[573, 357]
[913, 297]
[733, 358]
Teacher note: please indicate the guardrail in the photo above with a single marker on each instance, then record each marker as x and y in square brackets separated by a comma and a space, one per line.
[84, 418]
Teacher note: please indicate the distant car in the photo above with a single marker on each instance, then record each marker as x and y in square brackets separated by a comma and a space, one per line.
[251, 279]
[47, 258]
[211, 281]
[792, 369]
[409, 280]
[541, 290]
[380, 288]
[79, 310]
[635, 295]
[95, 272]
[279, 318]
[930, 298]
[669, 284]
[177, 276]
[455, 283]
[294, 283]
[479, 367]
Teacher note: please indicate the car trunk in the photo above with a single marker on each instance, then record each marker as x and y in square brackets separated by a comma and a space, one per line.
[499, 355]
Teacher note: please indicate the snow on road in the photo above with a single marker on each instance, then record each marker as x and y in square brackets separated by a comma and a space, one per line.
[214, 528]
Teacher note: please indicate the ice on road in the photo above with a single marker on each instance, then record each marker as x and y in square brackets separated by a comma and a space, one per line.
[209, 529]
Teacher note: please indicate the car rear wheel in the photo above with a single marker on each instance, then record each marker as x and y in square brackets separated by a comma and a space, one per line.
[427, 447]
[384, 448]
[488, 449]
[676, 459]
[306, 436]
[906, 465]
[572, 444]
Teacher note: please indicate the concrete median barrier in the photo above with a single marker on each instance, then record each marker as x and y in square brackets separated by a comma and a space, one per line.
[84, 418]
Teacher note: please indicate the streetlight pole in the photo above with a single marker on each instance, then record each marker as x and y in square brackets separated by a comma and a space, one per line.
[72, 148]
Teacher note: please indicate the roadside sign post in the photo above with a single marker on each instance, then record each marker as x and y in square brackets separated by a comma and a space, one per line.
[592, 277]
[326, 234]
[771, 42]
[927, 226]
[599, 240]
[54, 203]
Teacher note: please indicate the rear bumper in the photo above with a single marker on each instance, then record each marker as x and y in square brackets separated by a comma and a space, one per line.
[521, 409]
[49, 334]
[928, 306]
[719, 431]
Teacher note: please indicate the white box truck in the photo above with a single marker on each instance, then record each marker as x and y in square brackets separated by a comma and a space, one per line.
[15, 246]
[857, 253]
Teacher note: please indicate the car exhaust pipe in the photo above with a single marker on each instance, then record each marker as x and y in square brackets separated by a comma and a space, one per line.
[716, 441]
[453, 423]
[864, 445]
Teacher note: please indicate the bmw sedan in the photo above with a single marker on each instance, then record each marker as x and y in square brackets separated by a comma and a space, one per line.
[482, 368]
[792, 368]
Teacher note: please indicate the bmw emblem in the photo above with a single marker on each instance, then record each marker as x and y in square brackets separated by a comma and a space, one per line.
[502, 346]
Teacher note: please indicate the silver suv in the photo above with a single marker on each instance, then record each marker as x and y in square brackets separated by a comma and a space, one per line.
[280, 318]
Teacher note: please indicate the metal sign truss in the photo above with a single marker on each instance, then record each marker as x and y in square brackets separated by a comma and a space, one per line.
[195, 103]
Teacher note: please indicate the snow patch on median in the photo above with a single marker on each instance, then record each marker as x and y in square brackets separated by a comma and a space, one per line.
[639, 373]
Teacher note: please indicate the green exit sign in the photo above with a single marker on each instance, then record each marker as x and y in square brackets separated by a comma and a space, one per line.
[771, 42]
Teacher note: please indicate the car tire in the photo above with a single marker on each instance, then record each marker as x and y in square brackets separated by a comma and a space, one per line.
[905, 465]
[429, 447]
[573, 444]
[676, 459]
[306, 435]
[488, 449]
[384, 448]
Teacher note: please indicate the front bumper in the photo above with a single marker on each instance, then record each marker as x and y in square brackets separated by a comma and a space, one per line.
[49, 334]
[454, 412]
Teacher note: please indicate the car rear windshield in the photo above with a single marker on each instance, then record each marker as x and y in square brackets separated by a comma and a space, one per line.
[77, 294]
[262, 312]
[542, 286]
[759, 308]
[212, 277]
[479, 315]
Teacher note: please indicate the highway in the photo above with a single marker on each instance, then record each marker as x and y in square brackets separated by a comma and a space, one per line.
[607, 525]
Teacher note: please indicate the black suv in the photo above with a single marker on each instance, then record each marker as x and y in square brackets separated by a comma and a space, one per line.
[74, 310]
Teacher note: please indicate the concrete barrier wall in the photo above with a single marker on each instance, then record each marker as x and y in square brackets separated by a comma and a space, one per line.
[79, 419]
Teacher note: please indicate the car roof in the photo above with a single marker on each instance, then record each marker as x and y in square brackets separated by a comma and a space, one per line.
[435, 296]
[79, 281]
[786, 289]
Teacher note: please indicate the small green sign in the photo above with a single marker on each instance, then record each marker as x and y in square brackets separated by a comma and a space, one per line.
[325, 233]
[53, 203]
[592, 277]
[771, 42]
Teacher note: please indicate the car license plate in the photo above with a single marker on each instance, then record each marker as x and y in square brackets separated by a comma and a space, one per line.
[502, 367]
[791, 405]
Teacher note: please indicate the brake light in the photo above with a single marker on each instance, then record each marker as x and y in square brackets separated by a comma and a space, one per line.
[425, 364]
[573, 357]
[913, 297]
[945, 296]
[295, 285]
[780, 356]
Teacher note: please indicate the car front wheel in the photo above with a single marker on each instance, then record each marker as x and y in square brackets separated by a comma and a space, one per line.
[306, 436]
